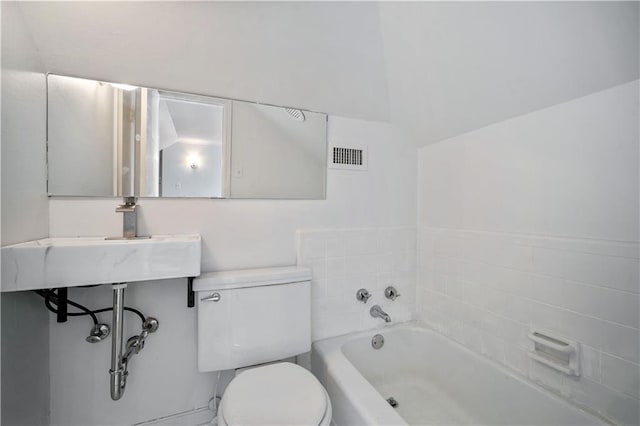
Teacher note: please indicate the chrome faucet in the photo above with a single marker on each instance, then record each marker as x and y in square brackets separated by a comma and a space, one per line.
[377, 312]
[130, 217]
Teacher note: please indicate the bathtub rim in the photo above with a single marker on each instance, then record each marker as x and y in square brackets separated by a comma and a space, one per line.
[331, 349]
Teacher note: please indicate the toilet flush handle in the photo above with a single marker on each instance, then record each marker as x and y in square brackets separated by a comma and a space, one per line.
[215, 297]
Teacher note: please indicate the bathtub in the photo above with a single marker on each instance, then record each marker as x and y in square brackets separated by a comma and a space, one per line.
[434, 380]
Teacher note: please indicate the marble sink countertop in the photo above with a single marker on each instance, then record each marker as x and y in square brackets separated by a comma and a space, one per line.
[72, 262]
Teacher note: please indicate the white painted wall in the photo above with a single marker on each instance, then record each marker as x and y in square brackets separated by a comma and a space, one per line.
[25, 360]
[25, 337]
[533, 223]
[236, 234]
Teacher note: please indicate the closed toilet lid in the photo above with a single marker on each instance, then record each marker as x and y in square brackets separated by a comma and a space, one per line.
[277, 394]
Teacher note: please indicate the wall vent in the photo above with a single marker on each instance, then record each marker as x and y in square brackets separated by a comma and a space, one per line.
[348, 158]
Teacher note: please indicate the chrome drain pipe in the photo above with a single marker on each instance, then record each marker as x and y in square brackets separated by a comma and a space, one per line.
[118, 370]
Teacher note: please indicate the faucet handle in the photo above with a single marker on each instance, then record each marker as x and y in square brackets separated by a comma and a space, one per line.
[363, 295]
[391, 293]
[128, 206]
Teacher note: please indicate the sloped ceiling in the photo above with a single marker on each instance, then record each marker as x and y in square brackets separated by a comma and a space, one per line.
[436, 69]
[319, 56]
[455, 67]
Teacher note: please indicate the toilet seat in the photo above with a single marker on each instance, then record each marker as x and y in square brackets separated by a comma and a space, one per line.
[276, 394]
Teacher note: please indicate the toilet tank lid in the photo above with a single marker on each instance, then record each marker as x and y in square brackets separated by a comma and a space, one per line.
[224, 280]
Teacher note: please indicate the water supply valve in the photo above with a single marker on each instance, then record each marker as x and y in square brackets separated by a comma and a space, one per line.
[363, 295]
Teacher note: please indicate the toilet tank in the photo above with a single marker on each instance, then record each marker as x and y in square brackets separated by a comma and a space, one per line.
[252, 316]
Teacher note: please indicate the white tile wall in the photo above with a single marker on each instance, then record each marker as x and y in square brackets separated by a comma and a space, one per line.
[344, 260]
[488, 289]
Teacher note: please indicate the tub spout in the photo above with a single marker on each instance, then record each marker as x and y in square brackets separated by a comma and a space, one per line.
[377, 312]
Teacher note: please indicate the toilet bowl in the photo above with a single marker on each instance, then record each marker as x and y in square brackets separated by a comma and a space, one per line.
[276, 394]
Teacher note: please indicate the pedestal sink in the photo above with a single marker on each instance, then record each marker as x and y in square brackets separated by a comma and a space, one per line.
[72, 262]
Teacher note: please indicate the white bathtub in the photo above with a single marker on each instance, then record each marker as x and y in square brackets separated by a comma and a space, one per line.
[435, 381]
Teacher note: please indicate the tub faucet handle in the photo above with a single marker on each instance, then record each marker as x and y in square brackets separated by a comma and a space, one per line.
[391, 293]
[363, 295]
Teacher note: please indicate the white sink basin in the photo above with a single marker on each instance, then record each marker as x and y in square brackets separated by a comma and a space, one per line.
[72, 262]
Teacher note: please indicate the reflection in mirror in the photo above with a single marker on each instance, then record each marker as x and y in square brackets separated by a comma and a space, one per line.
[107, 139]
[116, 140]
[186, 141]
[81, 131]
[277, 152]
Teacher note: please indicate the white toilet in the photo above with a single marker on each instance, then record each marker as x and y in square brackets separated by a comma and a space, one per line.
[256, 316]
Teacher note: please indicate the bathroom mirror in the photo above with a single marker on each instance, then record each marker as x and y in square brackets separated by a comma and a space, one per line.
[107, 139]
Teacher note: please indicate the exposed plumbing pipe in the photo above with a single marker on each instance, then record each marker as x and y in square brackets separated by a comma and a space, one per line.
[119, 361]
[118, 372]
